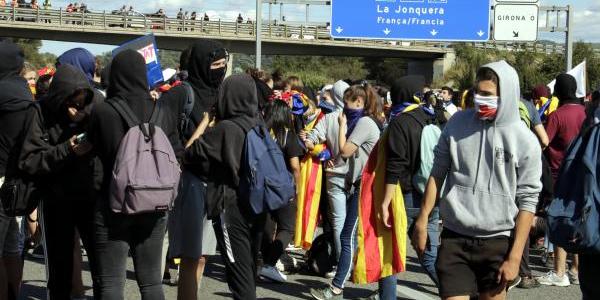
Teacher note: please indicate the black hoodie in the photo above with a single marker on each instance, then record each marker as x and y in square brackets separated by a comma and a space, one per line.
[127, 81]
[216, 156]
[404, 143]
[46, 148]
[15, 98]
[203, 81]
[565, 89]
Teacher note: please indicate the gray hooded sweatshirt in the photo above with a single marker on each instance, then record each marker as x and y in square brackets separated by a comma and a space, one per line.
[492, 169]
[327, 129]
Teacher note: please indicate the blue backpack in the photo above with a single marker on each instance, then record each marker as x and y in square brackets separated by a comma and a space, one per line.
[573, 214]
[265, 181]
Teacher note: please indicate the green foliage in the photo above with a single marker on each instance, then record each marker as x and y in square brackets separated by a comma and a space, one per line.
[385, 70]
[31, 48]
[169, 59]
[315, 71]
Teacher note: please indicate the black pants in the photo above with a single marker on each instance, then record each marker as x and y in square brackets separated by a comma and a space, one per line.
[285, 221]
[589, 272]
[61, 218]
[236, 230]
[115, 237]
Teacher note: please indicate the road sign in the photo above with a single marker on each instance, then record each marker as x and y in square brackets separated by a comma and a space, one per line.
[431, 20]
[516, 22]
[517, 1]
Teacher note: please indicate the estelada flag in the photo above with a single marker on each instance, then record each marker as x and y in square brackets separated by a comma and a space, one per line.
[308, 195]
[381, 251]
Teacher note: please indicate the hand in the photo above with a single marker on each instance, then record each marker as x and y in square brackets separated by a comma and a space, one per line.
[509, 270]
[309, 145]
[205, 119]
[75, 115]
[302, 135]
[81, 148]
[342, 119]
[385, 213]
[155, 95]
[330, 164]
[419, 237]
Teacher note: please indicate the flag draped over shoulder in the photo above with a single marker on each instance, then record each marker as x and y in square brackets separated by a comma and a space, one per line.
[308, 196]
[381, 251]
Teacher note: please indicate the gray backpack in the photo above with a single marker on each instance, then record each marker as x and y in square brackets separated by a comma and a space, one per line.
[145, 175]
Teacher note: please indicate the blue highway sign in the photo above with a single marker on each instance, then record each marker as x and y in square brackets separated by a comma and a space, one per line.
[430, 20]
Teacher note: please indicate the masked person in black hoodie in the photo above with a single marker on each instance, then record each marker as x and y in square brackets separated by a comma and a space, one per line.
[217, 156]
[15, 103]
[115, 235]
[190, 235]
[52, 149]
[404, 158]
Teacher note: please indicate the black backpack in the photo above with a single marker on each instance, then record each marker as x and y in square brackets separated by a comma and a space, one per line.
[21, 193]
[184, 123]
[321, 255]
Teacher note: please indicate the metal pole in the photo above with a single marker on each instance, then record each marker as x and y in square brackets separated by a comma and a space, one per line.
[270, 9]
[307, 13]
[280, 12]
[258, 33]
[569, 38]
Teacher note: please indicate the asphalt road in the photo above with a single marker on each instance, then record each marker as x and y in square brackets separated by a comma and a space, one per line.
[413, 284]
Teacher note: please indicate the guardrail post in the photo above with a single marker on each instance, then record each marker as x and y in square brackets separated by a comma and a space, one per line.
[104, 18]
[270, 27]
[183, 21]
[202, 25]
[301, 31]
[165, 22]
[37, 15]
[237, 26]
[60, 17]
[219, 26]
[14, 14]
[285, 31]
[82, 18]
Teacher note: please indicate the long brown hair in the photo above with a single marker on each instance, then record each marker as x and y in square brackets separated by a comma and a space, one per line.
[372, 106]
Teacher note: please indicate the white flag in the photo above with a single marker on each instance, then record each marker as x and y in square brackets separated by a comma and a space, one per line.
[579, 74]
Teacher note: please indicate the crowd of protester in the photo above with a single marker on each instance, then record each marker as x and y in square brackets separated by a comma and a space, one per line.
[466, 179]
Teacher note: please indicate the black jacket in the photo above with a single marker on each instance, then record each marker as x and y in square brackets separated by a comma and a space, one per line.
[106, 129]
[217, 155]
[201, 56]
[15, 101]
[46, 149]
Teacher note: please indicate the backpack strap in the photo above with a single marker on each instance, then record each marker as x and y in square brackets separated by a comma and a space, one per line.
[123, 109]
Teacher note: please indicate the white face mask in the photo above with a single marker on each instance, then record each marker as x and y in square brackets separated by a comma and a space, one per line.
[487, 106]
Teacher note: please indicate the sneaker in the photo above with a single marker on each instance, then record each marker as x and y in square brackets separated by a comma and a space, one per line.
[38, 252]
[272, 273]
[292, 247]
[528, 283]
[325, 293]
[331, 274]
[287, 264]
[514, 283]
[552, 279]
[573, 277]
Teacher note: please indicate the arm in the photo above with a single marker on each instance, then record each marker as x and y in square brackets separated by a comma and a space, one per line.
[199, 130]
[317, 134]
[540, 132]
[552, 127]
[397, 169]
[295, 166]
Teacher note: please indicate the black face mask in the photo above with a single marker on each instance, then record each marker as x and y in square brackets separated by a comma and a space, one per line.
[217, 76]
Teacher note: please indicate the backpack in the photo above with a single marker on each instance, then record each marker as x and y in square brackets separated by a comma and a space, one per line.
[429, 138]
[320, 258]
[265, 181]
[21, 193]
[574, 213]
[184, 124]
[146, 173]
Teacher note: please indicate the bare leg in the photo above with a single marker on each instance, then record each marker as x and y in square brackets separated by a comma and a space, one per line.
[190, 273]
[560, 261]
[78, 290]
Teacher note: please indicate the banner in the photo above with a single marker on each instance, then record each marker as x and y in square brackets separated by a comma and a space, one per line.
[146, 46]
[579, 73]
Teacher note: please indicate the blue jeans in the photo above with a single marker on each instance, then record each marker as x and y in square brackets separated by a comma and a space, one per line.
[336, 193]
[412, 203]
[348, 241]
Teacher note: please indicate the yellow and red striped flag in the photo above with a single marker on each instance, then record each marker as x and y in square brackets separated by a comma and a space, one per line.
[381, 251]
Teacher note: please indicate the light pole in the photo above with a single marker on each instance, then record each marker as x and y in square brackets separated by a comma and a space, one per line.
[258, 33]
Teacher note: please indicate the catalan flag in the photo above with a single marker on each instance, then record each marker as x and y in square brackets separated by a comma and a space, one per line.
[381, 251]
[308, 195]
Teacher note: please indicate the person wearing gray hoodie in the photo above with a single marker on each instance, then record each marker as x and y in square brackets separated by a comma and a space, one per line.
[327, 131]
[490, 167]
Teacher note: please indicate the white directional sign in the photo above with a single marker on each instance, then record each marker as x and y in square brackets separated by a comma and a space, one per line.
[516, 22]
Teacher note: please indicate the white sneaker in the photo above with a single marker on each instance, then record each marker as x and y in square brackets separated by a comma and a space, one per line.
[272, 273]
[331, 274]
[552, 279]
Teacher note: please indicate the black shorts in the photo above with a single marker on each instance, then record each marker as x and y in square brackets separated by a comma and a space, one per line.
[467, 265]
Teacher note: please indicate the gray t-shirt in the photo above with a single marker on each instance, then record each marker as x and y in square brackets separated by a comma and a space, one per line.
[533, 113]
[365, 136]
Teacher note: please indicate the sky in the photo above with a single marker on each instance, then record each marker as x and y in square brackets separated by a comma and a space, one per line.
[586, 24]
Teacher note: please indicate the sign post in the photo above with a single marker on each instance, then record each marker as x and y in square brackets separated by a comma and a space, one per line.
[430, 20]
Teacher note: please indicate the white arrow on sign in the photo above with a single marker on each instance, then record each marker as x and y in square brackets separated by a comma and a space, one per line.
[433, 32]
[480, 33]
[387, 31]
[339, 29]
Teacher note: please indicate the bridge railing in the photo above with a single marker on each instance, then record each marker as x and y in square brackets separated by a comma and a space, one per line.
[312, 33]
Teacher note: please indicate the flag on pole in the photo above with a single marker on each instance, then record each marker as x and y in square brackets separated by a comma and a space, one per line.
[308, 196]
[579, 72]
[381, 251]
